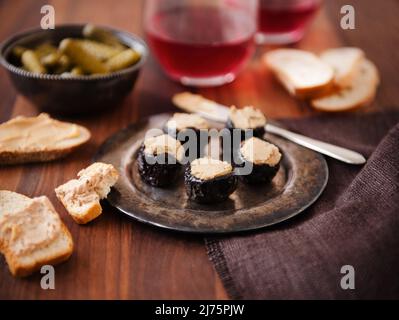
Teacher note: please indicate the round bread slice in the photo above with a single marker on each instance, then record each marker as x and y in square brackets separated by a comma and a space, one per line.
[18, 144]
[345, 62]
[360, 93]
[302, 73]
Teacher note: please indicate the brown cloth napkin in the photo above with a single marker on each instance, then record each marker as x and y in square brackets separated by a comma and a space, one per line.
[355, 222]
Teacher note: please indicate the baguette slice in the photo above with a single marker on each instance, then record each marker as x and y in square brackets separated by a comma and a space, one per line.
[38, 139]
[56, 249]
[360, 93]
[302, 73]
[81, 197]
[345, 62]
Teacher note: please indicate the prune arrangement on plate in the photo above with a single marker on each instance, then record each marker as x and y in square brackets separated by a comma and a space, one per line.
[208, 180]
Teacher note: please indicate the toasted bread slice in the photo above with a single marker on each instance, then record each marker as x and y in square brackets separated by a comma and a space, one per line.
[38, 139]
[360, 93]
[345, 62]
[81, 197]
[302, 73]
[25, 253]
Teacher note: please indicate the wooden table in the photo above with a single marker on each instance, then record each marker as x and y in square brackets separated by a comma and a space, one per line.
[115, 257]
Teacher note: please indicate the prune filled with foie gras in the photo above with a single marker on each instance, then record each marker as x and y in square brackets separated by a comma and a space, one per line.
[209, 180]
[181, 123]
[159, 160]
[265, 158]
[247, 119]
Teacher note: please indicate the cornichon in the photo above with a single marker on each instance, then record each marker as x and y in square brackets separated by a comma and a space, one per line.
[93, 32]
[18, 51]
[82, 57]
[51, 59]
[45, 49]
[77, 71]
[99, 52]
[123, 60]
[63, 64]
[31, 62]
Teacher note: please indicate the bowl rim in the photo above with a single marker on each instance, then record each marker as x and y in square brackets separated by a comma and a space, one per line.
[7, 43]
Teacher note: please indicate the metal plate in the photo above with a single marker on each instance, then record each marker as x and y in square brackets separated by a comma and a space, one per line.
[302, 177]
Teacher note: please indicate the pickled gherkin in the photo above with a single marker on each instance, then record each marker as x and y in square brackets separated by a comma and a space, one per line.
[77, 71]
[18, 51]
[51, 59]
[93, 32]
[98, 52]
[63, 64]
[45, 49]
[123, 60]
[31, 62]
[82, 57]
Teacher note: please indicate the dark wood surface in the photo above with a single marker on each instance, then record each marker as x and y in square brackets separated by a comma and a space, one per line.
[114, 257]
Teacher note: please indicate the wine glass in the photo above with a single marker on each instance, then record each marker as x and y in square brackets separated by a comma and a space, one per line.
[284, 21]
[201, 42]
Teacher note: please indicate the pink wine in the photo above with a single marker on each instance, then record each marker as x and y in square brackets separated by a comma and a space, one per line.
[292, 18]
[201, 42]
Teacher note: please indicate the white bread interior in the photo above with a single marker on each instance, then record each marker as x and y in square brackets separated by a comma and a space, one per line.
[302, 73]
[345, 62]
[81, 197]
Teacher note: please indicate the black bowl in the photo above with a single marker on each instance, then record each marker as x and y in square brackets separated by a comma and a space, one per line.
[77, 94]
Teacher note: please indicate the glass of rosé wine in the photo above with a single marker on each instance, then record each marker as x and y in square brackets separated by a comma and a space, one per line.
[284, 21]
[201, 42]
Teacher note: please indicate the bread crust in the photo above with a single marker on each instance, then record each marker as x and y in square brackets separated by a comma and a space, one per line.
[12, 157]
[350, 107]
[16, 157]
[89, 215]
[314, 92]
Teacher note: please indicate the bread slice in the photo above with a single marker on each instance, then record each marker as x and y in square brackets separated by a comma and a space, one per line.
[302, 73]
[81, 197]
[345, 62]
[361, 92]
[38, 139]
[24, 258]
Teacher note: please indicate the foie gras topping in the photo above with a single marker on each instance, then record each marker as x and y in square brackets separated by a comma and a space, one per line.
[260, 152]
[40, 133]
[208, 168]
[37, 224]
[182, 121]
[164, 144]
[247, 117]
